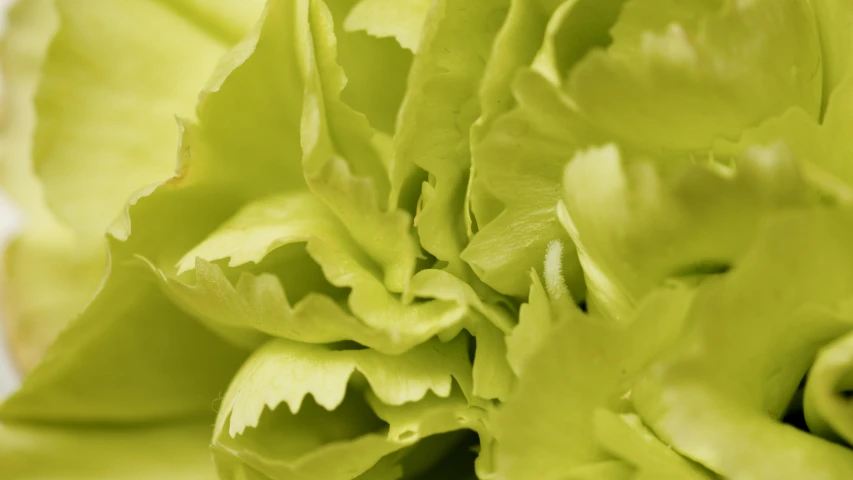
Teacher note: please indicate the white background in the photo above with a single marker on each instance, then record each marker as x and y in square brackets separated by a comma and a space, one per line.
[9, 221]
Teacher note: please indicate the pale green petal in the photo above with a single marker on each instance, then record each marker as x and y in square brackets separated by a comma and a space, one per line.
[439, 284]
[263, 226]
[207, 173]
[493, 377]
[47, 279]
[341, 161]
[435, 121]
[31, 25]
[227, 20]
[834, 18]
[520, 161]
[376, 68]
[257, 306]
[824, 145]
[626, 437]
[102, 367]
[515, 45]
[548, 6]
[384, 236]
[640, 18]
[758, 328]
[827, 411]
[575, 29]
[131, 356]
[245, 145]
[419, 419]
[489, 325]
[545, 428]
[636, 223]
[179, 451]
[334, 129]
[269, 422]
[696, 80]
[535, 322]
[676, 171]
[527, 133]
[48, 275]
[705, 425]
[603, 470]
[272, 231]
[285, 372]
[110, 90]
[402, 20]
[380, 320]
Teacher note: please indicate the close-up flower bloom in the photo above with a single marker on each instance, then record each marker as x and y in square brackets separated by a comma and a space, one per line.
[428, 239]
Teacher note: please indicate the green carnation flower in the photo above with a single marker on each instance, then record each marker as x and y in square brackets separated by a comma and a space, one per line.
[417, 240]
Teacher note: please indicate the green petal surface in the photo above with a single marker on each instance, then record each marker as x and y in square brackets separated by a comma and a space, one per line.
[696, 80]
[376, 67]
[519, 162]
[342, 160]
[402, 20]
[515, 45]
[101, 368]
[377, 319]
[524, 137]
[48, 274]
[337, 432]
[535, 323]
[823, 143]
[636, 223]
[827, 410]
[836, 41]
[178, 451]
[626, 437]
[111, 87]
[581, 366]
[758, 328]
[436, 118]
